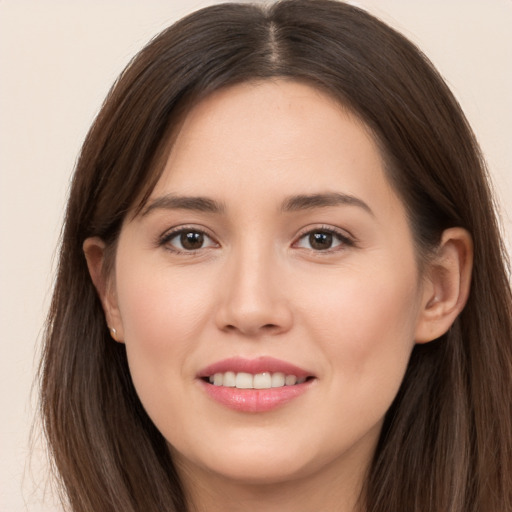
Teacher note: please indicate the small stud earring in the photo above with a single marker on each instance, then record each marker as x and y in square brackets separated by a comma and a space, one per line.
[113, 333]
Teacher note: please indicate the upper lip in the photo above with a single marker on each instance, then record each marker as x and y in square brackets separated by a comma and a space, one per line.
[254, 366]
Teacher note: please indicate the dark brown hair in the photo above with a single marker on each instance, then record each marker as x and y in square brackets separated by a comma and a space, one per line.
[446, 444]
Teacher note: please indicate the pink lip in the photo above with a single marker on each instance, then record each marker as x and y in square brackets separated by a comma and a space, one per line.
[254, 400]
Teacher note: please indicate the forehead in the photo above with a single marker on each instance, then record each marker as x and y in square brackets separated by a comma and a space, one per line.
[273, 135]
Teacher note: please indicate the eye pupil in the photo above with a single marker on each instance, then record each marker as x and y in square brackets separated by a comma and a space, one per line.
[192, 240]
[320, 241]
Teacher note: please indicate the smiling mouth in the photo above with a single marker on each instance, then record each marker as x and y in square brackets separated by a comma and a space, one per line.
[264, 380]
[255, 385]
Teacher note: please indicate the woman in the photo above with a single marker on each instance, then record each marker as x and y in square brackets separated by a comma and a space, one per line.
[281, 283]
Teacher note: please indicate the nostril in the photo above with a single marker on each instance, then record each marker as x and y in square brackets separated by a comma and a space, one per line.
[252, 329]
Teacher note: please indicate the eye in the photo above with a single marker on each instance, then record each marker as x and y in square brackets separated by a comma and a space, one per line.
[323, 240]
[187, 240]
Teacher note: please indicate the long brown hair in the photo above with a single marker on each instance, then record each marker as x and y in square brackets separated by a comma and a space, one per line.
[446, 444]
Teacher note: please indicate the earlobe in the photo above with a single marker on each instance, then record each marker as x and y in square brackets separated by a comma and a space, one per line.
[94, 250]
[447, 285]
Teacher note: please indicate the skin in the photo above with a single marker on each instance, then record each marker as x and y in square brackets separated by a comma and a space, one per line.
[350, 314]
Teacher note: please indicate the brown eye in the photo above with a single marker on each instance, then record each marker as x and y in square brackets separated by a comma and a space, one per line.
[187, 240]
[320, 241]
[323, 239]
[191, 240]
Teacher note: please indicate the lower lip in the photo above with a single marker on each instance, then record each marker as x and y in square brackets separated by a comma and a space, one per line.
[255, 400]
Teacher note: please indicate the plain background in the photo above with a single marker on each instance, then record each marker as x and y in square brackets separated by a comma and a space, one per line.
[57, 62]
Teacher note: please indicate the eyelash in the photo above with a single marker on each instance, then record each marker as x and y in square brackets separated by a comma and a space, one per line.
[167, 237]
[343, 239]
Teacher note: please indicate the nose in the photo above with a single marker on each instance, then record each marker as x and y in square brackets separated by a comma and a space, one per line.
[253, 298]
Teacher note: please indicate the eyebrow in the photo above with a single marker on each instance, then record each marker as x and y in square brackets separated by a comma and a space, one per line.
[291, 204]
[173, 202]
[311, 201]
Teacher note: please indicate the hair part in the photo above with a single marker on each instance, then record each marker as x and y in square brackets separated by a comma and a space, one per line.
[446, 444]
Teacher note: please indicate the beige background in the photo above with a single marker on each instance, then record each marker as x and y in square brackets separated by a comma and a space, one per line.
[57, 61]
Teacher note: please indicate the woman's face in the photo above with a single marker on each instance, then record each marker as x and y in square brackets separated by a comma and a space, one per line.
[272, 250]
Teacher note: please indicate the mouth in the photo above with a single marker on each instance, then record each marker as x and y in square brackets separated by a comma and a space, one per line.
[264, 380]
[254, 385]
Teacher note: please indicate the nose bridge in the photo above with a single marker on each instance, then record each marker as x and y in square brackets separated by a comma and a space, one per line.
[253, 299]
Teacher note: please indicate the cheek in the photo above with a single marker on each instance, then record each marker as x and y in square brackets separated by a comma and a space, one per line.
[159, 307]
[160, 327]
[365, 330]
[161, 313]
[366, 327]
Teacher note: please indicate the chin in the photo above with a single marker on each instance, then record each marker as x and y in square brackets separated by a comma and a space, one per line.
[254, 464]
[263, 466]
[270, 470]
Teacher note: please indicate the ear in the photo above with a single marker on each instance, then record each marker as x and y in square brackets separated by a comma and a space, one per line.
[447, 285]
[94, 250]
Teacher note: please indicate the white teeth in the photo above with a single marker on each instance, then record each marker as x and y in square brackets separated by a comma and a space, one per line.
[278, 380]
[244, 380]
[265, 380]
[262, 381]
[290, 380]
[229, 380]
